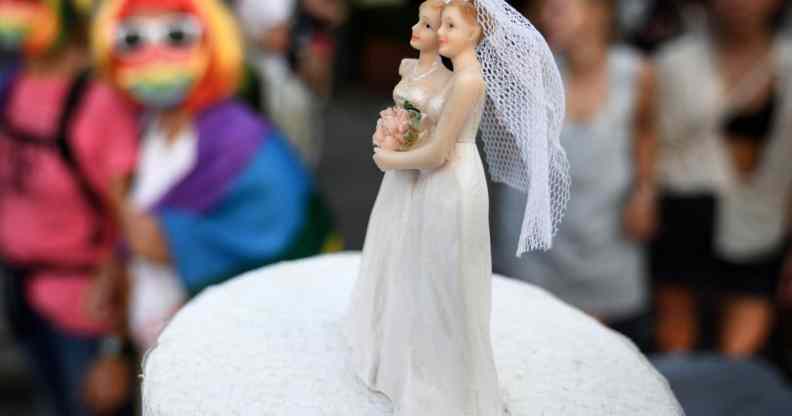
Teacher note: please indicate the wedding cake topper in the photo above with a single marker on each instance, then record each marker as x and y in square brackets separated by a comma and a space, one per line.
[419, 318]
[523, 116]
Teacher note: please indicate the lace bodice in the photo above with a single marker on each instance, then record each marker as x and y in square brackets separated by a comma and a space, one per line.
[427, 93]
[430, 95]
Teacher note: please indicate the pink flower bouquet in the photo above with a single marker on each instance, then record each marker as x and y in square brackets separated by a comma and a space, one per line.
[398, 128]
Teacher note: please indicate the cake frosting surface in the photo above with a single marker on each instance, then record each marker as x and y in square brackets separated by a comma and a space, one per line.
[269, 343]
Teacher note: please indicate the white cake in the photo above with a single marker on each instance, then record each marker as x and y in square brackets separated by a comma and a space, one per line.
[268, 343]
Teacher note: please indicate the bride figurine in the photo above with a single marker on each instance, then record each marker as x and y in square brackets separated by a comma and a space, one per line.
[423, 81]
[419, 323]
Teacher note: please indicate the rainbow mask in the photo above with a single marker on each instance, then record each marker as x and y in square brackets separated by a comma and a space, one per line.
[161, 58]
[160, 50]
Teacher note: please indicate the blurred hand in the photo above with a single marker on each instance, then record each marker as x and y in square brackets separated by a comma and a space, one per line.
[640, 214]
[277, 39]
[785, 287]
[118, 189]
[144, 236]
[107, 386]
[332, 12]
[106, 299]
[315, 68]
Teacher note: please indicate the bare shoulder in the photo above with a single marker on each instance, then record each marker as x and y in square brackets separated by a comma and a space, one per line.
[470, 81]
[407, 65]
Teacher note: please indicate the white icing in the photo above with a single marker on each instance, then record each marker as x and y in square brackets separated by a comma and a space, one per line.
[268, 343]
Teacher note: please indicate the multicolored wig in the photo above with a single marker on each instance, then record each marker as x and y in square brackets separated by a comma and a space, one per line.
[84, 7]
[221, 36]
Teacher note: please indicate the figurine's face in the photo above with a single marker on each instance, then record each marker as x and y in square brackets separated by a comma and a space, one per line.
[424, 33]
[160, 57]
[457, 33]
[21, 21]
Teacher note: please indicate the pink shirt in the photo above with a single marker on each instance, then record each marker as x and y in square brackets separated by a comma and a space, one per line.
[50, 221]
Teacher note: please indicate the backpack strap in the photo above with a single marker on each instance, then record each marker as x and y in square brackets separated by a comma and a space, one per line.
[65, 149]
[64, 146]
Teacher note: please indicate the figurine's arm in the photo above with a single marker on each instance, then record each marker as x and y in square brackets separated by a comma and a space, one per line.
[466, 92]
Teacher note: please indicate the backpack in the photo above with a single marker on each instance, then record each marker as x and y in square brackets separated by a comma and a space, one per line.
[62, 145]
[13, 276]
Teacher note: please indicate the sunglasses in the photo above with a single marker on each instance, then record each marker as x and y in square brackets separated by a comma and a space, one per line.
[175, 31]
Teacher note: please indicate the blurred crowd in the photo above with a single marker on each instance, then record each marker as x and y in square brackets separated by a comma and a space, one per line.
[678, 134]
[678, 230]
[151, 148]
[678, 147]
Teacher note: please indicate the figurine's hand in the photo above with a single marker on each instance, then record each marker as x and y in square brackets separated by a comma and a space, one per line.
[382, 158]
[640, 215]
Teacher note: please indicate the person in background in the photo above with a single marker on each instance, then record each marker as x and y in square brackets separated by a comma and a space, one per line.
[597, 260]
[287, 99]
[217, 191]
[314, 46]
[64, 137]
[726, 140]
[666, 20]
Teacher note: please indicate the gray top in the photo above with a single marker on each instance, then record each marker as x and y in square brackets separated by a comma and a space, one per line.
[592, 265]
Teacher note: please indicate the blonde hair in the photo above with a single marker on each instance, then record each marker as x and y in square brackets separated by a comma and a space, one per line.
[469, 13]
[434, 4]
[468, 9]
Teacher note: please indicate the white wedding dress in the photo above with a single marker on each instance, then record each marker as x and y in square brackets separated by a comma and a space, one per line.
[369, 326]
[419, 324]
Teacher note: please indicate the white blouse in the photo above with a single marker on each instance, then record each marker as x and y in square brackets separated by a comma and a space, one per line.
[751, 212]
[157, 292]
